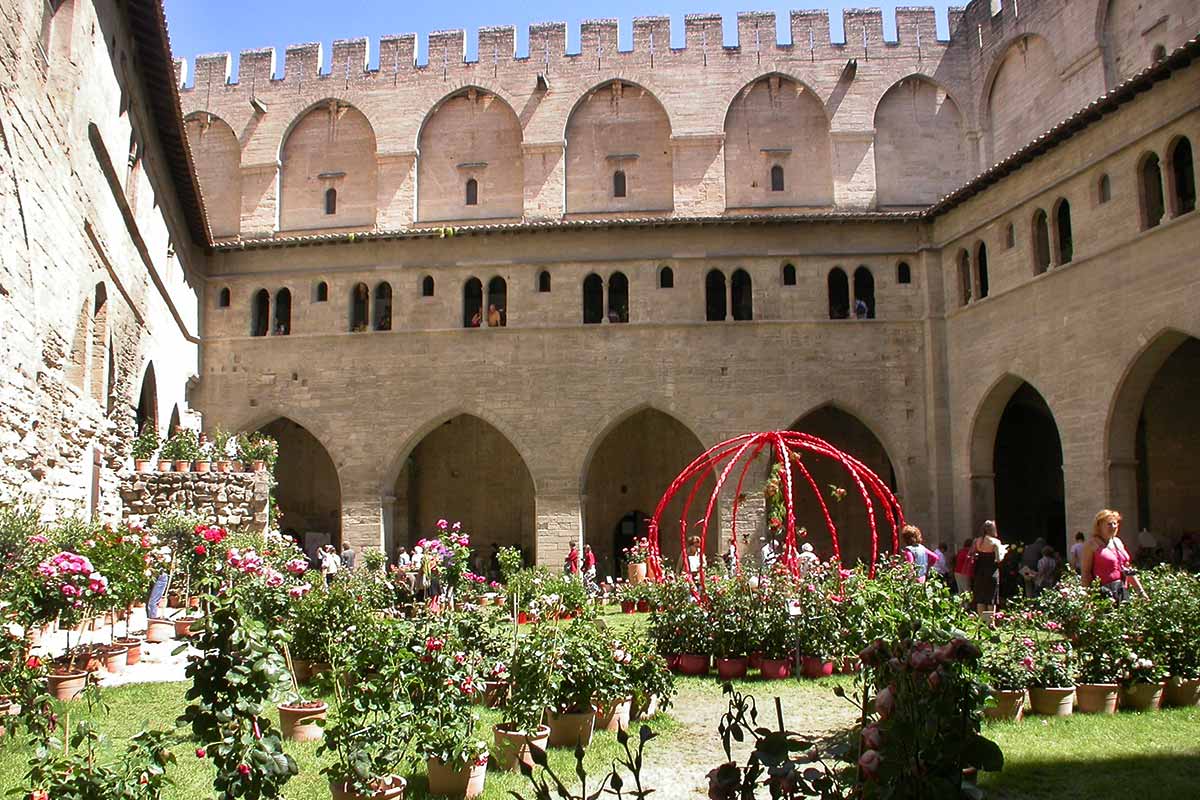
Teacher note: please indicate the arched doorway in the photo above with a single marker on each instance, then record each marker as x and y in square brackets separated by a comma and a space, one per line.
[627, 473]
[847, 433]
[1154, 441]
[466, 470]
[307, 492]
[1016, 466]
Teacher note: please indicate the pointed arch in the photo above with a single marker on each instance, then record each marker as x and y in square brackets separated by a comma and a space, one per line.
[777, 121]
[283, 312]
[618, 297]
[147, 405]
[838, 289]
[918, 170]
[618, 126]
[497, 300]
[715, 301]
[593, 299]
[218, 158]
[329, 145]
[473, 303]
[470, 163]
[360, 303]
[1023, 96]
[741, 295]
[383, 306]
[307, 485]
[260, 313]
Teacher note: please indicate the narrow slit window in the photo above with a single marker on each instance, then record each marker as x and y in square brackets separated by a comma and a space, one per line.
[903, 273]
[331, 201]
[322, 293]
[777, 178]
[619, 183]
[472, 192]
[666, 278]
[544, 281]
[1104, 190]
[223, 298]
[789, 275]
[427, 286]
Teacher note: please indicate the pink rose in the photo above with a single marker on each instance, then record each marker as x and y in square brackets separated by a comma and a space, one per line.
[868, 762]
[442, 524]
[885, 702]
[872, 737]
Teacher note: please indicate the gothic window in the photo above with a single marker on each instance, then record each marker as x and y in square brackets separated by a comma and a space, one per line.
[838, 286]
[472, 192]
[666, 278]
[776, 178]
[1041, 242]
[1066, 244]
[544, 281]
[331, 201]
[427, 286]
[864, 293]
[497, 315]
[1159, 53]
[789, 275]
[360, 299]
[1151, 191]
[964, 278]
[619, 183]
[260, 313]
[283, 312]
[1182, 173]
[981, 270]
[1010, 236]
[383, 307]
[618, 297]
[714, 296]
[322, 293]
[473, 303]
[903, 273]
[100, 341]
[223, 298]
[593, 299]
[1103, 190]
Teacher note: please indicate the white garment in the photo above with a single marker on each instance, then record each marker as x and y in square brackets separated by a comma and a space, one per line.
[330, 563]
[693, 563]
[1073, 556]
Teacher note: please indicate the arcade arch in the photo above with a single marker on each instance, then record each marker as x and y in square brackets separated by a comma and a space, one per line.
[329, 146]
[308, 491]
[918, 170]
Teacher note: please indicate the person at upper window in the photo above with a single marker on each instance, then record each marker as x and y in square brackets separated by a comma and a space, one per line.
[476, 319]
[860, 309]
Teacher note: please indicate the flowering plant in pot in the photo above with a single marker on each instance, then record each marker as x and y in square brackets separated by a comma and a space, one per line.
[236, 670]
[637, 557]
[222, 451]
[1172, 605]
[24, 702]
[532, 685]
[449, 556]
[125, 557]
[585, 670]
[257, 450]
[730, 603]
[182, 448]
[1052, 681]
[144, 447]
[68, 587]
[1007, 664]
[647, 676]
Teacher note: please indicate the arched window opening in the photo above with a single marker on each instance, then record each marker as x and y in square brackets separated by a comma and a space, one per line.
[619, 183]
[1183, 177]
[666, 278]
[383, 307]
[1041, 243]
[777, 178]
[147, 407]
[360, 300]
[223, 298]
[864, 294]
[322, 293]
[110, 386]
[283, 312]
[427, 286]
[1010, 236]
[593, 299]
[472, 303]
[176, 424]
[964, 278]
[789, 275]
[903, 273]
[331, 201]
[472, 192]
[1159, 53]
[981, 270]
[100, 339]
[1103, 190]
[714, 296]
[497, 316]
[838, 286]
[1066, 243]
[544, 281]
[1151, 191]
[741, 289]
[260, 313]
[618, 297]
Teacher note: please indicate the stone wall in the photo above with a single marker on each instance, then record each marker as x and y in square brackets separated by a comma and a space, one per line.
[230, 499]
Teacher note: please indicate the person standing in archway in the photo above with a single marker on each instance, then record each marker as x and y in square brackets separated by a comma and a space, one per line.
[1105, 559]
[988, 551]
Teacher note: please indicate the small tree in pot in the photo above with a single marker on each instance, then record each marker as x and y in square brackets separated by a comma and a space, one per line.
[532, 684]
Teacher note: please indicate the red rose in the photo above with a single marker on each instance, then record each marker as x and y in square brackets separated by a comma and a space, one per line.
[33, 662]
[244, 769]
[200, 549]
[200, 752]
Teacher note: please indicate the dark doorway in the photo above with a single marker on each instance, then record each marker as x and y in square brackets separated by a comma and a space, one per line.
[593, 300]
[627, 529]
[472, 303]
[742, 295]
[839, 294]
[714, 295]
[1027, 463]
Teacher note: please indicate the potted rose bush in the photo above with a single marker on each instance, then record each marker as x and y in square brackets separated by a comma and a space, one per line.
[532, 683]
[730, 604]
[144, 448]
[1173, 604]
[637, 557]
[1007, 664]
[1052, 683]
[585, 670]
[67, 587]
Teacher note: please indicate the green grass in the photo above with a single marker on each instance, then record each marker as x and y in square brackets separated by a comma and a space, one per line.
[1136, 755]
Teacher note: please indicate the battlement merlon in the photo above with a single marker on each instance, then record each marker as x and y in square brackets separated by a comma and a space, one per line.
[916, 25]
[810, 31]
[256, 68]
[652, 34]
[547, 41]
[863, 29]
[350, 57]
[447, 48]
[703, 31]
[302, 62]
[398, 53]
[497, 42]
[180, 67]
[756, 31]
[212, 69]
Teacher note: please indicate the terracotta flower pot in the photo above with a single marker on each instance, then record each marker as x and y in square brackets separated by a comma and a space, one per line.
[183, 627]
[389, 788]
[643, 708]
[613, 717]
[1053, 701]
[628, 606]
[459, 781]
[133, 648]
[174, 599]
[221, 466]
[1181, 692]
[66, 685]
[643, 606]
[258, 465]
[298, 721]
[159, 630]
[201, 466]
[165, 466]
[141, 465]
[851, 665]
[1010, 705]
[694, 664]
[637, 572]
[183, 466]
[775, 669]
[1097, 698]
[815, 667]
[522, 618]
[568, 730]
[755, 660]
[1142, 696]
[115, 659]
[673, 662]
[513, 746]
[236, 466]
[733, 668]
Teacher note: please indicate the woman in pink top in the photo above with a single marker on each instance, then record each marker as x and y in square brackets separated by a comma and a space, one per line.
[1105, 560]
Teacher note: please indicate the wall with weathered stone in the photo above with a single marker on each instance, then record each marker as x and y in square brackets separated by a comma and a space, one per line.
[229, 499]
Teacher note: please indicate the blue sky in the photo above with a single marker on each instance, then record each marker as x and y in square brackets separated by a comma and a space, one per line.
[214, 26]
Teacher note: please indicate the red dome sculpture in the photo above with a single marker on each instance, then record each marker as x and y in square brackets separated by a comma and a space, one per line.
[789, 449]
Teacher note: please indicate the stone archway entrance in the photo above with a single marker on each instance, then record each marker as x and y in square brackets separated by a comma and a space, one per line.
[466, 470]
[308, 492]
[847, 433]
[1154, 441]
[628, 472]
